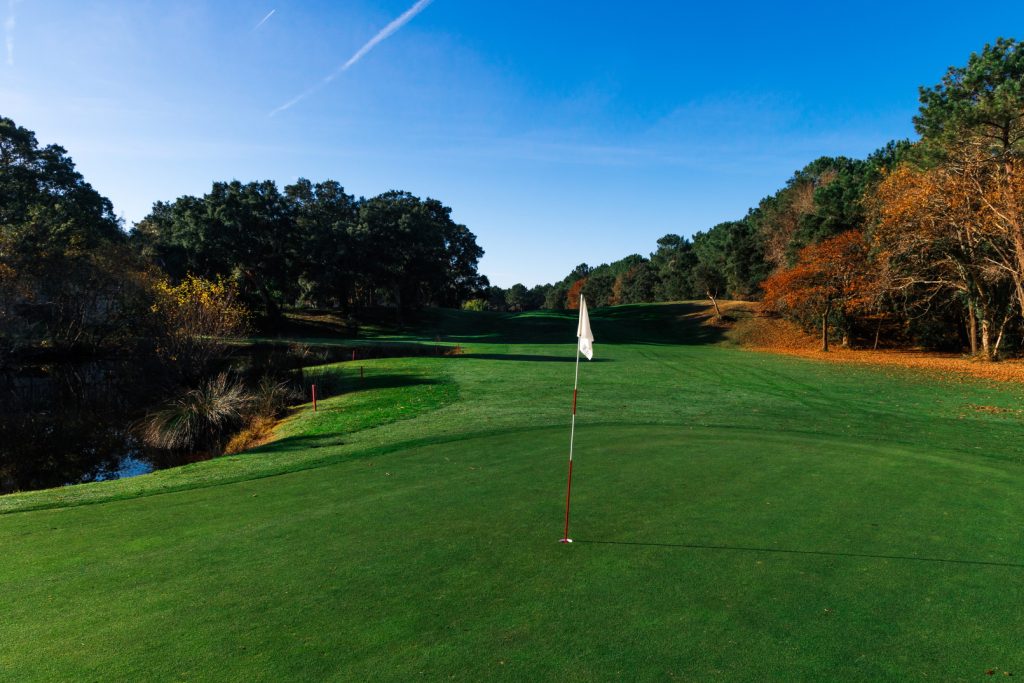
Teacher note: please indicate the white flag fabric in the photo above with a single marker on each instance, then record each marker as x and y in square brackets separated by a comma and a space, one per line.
[586, 337]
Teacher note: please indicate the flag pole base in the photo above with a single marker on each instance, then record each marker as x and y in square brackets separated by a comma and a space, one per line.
[565, 540]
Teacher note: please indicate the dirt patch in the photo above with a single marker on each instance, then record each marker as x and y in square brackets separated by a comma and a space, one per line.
[995, 410]
[758, 332]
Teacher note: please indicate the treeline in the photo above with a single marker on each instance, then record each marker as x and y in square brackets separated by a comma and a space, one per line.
[314, 245]
[731, 259]
[921, 243]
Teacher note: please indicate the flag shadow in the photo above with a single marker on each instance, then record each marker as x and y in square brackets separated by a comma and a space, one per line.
[791, 551]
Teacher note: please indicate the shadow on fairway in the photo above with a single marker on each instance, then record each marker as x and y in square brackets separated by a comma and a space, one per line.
[346, 380]
[292, 443]
[669, 324]
[528, 357]
[788, 551]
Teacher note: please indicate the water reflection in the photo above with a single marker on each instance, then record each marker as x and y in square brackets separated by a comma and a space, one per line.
[128, 466]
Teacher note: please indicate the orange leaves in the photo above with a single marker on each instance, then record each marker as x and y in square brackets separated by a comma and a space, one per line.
[572, 299]
[834, 273]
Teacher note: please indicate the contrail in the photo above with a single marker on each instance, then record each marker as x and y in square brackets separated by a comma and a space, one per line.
[398, 23]
[9, 32]
[264, 19]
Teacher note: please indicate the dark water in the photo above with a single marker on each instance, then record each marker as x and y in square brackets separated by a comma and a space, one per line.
[69, 422]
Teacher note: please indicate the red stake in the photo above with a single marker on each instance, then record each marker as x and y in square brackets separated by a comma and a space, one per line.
[353, 354]
[314, 398]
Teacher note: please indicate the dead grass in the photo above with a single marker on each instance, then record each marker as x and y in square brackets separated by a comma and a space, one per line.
[256, 433]
[756, 332]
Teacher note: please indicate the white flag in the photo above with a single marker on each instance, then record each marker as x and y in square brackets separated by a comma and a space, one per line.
[583, 332]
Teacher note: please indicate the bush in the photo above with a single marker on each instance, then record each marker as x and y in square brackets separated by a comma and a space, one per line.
[201, 418]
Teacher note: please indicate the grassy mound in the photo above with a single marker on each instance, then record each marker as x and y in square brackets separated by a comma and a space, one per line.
[736, 514]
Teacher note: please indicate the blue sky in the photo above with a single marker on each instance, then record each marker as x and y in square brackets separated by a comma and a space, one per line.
[559, 132]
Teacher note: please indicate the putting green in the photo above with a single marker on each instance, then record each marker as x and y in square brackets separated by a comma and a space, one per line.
[735, 515]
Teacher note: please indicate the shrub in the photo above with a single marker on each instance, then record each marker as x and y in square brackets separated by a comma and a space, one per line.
[199, 419]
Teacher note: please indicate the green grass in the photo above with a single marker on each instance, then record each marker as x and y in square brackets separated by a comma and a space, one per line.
[737, 515]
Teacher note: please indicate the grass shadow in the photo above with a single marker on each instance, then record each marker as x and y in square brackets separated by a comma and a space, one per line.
[527, 357]
[791, 551]
[683, 323]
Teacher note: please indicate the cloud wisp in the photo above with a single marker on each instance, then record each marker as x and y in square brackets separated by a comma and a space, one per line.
[383, 34]
[264, 19]
[9, 32]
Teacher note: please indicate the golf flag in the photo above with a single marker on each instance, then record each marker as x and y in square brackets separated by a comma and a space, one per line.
[585, 347]
[586, 337]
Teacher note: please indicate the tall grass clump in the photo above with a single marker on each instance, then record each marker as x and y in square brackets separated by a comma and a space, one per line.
[201, 418]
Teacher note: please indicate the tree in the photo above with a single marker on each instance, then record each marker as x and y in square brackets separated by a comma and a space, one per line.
[316, 245]
[572, 297]
[47, 209]
[495, 298]
[325, 260]
[985, 98]
[241, 231]
[66, 278]
[711, 282]
[516, 297]
[731, 251]
[945, 232]
[193, 322]
[637, 285]
[556, 296]
[598, 288]
[830, 278]
[537, 296]
[672, 265]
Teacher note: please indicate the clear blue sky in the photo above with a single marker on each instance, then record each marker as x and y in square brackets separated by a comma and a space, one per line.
[559, 132]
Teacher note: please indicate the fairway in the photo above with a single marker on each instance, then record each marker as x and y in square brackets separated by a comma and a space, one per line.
[737, 515]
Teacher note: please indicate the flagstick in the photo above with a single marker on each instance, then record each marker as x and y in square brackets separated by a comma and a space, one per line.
[572, 438]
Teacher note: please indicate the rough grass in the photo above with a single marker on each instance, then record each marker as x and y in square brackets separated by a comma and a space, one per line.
[775, 335]
[740, 515]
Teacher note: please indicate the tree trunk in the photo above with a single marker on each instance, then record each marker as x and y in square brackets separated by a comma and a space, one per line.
[718, 312]
[824, 327]
[878, 331]
[972, 329]
[999, 336]
[986, 342]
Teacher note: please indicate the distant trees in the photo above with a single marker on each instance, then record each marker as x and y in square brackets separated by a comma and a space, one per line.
[924, 239]
[314, 244]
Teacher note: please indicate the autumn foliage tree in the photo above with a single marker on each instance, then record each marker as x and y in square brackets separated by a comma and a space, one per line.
[572, 299]
[830, 280]
[948, 232]
[194, 320]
